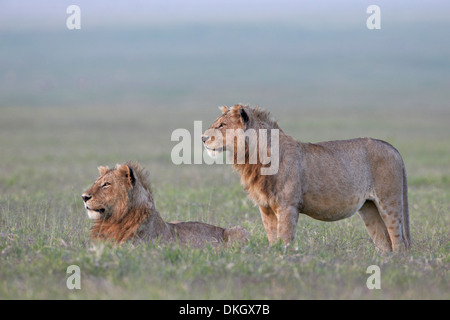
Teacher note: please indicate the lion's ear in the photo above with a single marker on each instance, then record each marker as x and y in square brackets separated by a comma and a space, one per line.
[102, 170]
[127, 172]
[244, 115]
[224, 109]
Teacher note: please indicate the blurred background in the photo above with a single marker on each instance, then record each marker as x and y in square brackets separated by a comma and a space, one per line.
[116, 89]
[176, 54]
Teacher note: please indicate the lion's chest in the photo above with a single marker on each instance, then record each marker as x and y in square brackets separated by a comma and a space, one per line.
[258, 195]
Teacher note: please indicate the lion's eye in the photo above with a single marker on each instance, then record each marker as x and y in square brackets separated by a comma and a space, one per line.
[222, 125]
[106, 185]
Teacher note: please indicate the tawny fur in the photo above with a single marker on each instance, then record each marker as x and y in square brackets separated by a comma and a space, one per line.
[122, 205]
[327, 181]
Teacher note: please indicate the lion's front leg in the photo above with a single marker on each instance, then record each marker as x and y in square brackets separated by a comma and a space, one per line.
[287, 224]
[270, 222]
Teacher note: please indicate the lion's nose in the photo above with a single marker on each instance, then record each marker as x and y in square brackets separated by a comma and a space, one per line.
[86, 197]
[205, 138]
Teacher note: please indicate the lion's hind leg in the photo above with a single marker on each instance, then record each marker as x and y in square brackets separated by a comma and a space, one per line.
[375, 226]
[391, 211]
[236, 234]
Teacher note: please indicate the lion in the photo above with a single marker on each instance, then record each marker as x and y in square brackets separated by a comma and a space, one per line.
[327, 181]
[121, 205]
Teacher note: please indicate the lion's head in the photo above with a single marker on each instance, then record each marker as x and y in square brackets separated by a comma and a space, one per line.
[235, 128]
[232, 119]
[116, 192]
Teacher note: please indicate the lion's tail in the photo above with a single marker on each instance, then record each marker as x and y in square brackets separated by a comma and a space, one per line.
[407, 235]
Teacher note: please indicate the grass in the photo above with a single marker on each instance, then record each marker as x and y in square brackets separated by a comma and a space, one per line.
[49, 155]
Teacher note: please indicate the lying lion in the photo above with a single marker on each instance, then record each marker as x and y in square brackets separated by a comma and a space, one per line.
[120, 203]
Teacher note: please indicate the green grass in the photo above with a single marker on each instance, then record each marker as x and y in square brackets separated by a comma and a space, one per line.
[49, 155]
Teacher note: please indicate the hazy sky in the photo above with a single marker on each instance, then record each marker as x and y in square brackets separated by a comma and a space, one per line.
[19, 14]
[323, 46]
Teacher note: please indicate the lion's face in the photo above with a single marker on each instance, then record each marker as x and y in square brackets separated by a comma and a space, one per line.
[108, 196]
[215, 138]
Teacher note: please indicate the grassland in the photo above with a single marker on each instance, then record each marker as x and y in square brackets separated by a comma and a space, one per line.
[50, 154]
[73, 100]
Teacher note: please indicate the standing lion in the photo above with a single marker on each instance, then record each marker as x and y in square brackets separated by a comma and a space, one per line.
[327, 181]
[120, 203]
